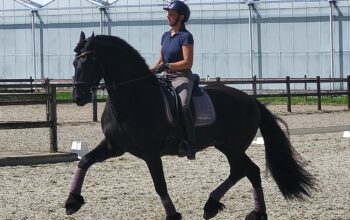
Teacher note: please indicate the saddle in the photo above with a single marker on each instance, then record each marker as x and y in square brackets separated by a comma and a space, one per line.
[201, 106]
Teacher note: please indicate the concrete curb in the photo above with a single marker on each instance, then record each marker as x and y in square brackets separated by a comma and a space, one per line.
[14, 159]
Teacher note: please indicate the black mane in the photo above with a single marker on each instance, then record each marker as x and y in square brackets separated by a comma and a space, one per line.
[119, 50]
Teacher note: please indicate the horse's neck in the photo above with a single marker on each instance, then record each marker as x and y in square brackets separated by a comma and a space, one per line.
[134, 97]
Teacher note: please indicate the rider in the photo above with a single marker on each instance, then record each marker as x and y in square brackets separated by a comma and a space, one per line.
[176, 59]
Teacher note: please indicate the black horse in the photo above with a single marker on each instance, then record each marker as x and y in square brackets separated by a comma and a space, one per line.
[134, 121]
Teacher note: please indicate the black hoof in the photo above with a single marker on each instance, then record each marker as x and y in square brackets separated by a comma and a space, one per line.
[176, 216]
[212, 208]
[254, 215]
[182, 152]
[73, 203]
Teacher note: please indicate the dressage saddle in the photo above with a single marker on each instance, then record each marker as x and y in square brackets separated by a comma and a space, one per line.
[201, 106]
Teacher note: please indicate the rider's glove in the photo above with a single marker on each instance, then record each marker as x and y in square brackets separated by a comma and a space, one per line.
[162, 67]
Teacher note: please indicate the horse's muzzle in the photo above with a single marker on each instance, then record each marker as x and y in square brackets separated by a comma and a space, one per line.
[78, 101]
[81, 98]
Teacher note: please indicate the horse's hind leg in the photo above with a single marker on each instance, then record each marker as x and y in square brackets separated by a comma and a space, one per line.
[240, 166]
[253, 175]
[100, 153]
[213, 205]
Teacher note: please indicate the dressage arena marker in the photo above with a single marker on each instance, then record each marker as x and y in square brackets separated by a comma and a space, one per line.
[346, 134]
[316, 130]
[79, 148]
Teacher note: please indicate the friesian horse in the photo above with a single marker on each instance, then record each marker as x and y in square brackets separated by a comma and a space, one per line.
[134, 121]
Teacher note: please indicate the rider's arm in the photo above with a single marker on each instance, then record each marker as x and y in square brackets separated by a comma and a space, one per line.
[187, 62]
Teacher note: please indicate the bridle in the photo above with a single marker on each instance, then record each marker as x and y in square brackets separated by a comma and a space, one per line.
[83, 83]
[117, 85]
[83, 54]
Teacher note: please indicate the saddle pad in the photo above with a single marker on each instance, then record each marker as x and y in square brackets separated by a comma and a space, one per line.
[201, 106]
[204, 110]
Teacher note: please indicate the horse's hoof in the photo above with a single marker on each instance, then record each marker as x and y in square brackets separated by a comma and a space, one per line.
[73, 203]
[254, 215]
[176, 216]
[212, 208]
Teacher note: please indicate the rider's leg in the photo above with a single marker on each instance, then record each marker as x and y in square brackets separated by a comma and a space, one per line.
[188, 123]
[183, 86]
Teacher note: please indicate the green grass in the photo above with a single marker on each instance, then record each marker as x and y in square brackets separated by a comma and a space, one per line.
[63, 96]
[67, 96]
[310, 100]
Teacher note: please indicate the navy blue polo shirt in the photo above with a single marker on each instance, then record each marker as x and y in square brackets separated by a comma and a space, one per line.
[172, 45]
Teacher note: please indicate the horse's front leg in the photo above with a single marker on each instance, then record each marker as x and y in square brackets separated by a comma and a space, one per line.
[100, 153]
[155, 167]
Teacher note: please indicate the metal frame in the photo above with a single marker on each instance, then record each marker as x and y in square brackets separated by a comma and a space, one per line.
[103, 7]
[34, 6]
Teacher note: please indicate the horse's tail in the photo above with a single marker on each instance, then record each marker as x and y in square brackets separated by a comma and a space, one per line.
[282, 160]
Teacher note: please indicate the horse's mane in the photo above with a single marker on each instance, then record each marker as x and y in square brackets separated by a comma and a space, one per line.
[115, 46]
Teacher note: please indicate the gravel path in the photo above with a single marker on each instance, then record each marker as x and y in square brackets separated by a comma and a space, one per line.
[121, 188]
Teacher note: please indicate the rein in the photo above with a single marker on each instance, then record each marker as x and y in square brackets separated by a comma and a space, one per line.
[124, 83]
[132, 81]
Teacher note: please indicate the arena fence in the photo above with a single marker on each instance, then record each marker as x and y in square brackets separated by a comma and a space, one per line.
[288, 92]
[254, 82]
[23, 91]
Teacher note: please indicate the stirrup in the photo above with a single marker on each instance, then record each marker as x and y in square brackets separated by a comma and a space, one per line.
[187, 149]
[182, 149]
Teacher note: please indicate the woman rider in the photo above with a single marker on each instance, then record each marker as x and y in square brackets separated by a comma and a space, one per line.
[176, 59]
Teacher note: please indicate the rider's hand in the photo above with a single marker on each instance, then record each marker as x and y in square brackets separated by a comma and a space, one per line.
[162, 67]
[153, 70]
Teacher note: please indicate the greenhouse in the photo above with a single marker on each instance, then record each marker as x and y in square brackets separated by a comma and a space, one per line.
[233, 38]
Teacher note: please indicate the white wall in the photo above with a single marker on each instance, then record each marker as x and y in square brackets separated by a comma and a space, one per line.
[290, 37]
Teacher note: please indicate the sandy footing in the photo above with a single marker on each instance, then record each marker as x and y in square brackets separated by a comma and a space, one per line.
[121, 188]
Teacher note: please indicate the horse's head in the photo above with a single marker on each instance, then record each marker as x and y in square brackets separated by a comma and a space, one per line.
[87, 74]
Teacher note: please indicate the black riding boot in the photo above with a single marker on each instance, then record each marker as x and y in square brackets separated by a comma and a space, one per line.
[188, 143]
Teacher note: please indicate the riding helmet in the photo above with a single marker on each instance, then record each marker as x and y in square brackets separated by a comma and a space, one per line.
[180, 7]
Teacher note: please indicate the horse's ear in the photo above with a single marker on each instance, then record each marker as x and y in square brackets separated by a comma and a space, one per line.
[82, 36]
[93, 35]
[80, 43]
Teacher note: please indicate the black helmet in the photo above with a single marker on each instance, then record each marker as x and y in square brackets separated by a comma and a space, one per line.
[180, 8]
